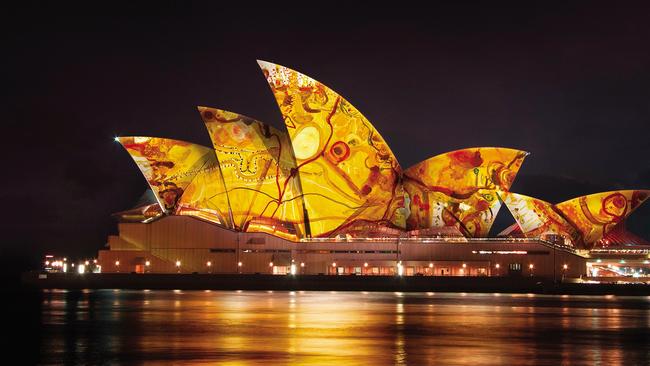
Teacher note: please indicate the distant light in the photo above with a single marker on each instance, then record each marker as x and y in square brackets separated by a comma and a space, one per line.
[646, 262]
[622, 261]
[365, 264]
[270, 264]
[400, 269]
[47, 263]
[117, 263]
[147, 263]
[334, 264]
[81, 269]
[531, 266]
[430, 265]
[497, 265]
[565, 266]
[293, 269]
[95, 261]
[116, 139]
[464, 265]
[209, 264]
[65, 267]
[599, 261]
[87, 262]
[178, 263]
[239, 264]
[302, 264]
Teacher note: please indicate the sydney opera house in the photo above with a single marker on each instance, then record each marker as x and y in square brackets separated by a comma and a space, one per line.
[326, 195]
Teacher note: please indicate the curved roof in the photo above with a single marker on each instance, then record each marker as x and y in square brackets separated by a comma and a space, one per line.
[347, 170]
[258, 169]
[536, 217]
[181, 174]
[596, 214]
[459, 188]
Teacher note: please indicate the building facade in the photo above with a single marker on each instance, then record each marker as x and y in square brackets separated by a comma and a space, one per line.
[326, 195]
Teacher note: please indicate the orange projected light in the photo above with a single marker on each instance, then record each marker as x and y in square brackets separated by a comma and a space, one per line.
[537, 218]
[597, 214]
[259, 172]
[347, 171]
[182, 175]
[459, 188]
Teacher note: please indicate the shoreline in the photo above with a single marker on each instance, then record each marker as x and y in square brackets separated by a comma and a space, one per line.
[259, 282]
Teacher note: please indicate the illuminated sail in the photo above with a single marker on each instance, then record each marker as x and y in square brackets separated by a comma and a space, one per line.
[346, 169]
[537, 218]
[459, 188]
[596, 214]
[182, 175]
[259, 172]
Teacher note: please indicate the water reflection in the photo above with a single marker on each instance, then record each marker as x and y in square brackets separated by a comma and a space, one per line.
[247, 327]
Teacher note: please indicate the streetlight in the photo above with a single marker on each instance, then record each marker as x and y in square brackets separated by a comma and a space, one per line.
[147, 264]
[497, 266]
[531, 267]
[239, 264]
[209, 264]
[117, 264]
[564, 268]
[400, 269]
[178, 266]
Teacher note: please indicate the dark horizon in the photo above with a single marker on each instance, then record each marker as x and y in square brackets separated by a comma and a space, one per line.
[566, 82]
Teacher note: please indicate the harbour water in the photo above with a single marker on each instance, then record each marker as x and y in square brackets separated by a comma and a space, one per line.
[343, 328]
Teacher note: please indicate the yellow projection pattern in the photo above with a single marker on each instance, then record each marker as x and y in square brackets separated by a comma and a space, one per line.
[259, 173]
[347, 171]
[182, 175]
[537, 218]
[597, 214]
[459, 188]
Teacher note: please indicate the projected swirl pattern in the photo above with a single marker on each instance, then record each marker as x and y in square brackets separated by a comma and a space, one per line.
[330, 174]
[459, 188]
[183, 176]
[347, 171]
[259, 172]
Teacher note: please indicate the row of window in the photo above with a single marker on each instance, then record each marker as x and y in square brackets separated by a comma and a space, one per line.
[231, 250]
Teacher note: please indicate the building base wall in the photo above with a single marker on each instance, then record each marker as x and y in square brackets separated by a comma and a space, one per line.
[182, 244]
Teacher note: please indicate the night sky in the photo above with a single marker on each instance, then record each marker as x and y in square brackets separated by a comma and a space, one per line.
[570, 83]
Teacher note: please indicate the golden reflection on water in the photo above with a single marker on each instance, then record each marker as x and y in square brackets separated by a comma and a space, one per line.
[344, 328]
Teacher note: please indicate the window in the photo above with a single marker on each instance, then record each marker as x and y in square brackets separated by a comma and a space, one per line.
[221, 250]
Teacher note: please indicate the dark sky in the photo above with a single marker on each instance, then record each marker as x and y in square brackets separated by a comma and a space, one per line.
[568, 82]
